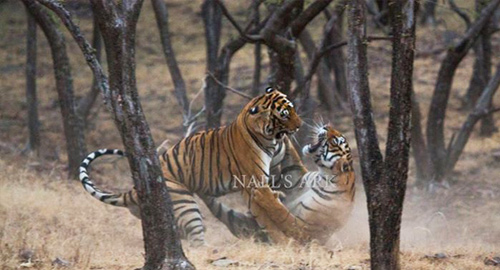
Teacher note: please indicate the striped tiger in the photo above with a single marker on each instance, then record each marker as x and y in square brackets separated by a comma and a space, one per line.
[321, 199]
[216, 162]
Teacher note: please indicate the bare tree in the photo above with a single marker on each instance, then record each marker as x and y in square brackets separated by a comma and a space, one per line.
[481, 110]
[161, 14]
[72, 124]
[482, 66]
[384, 180]
[435, 124]
[118, 26]
[31, 96]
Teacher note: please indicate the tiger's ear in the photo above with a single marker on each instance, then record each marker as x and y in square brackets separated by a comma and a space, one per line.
[269, 90]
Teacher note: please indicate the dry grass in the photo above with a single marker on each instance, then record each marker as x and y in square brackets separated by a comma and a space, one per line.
[42, 212]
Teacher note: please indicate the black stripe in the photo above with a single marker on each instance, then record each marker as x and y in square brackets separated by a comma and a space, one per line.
[182, 201]
[307, 208]
[188, 211]
[180, 191]
[201, 179]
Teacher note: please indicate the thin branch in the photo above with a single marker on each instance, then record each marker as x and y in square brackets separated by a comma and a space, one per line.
[241, 31]
[460, 13]
[85, 47]
[312, 10]
[343, 43]
[236, 91]
[322, 52]
[432, 52]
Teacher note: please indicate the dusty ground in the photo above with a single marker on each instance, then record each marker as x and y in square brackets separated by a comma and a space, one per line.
[42, 212]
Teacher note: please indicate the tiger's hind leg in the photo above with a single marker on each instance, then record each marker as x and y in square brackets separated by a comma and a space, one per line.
[239, 224]
[187, 214]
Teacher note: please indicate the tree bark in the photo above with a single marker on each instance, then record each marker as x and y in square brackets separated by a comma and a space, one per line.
[437, 111]
[212, 19]
[72, 124]
[31, 96]
[387, 215]
[385, 181]
[118, 25]
[163, 248]
[179, 92]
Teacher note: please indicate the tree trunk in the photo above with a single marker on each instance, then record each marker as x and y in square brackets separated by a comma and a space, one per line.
[388, 209]
[418, 144]
[487, 122]
[282, 48]
[161, 14]
[31, 96]
[336, 58]
[163, 248]
[72, 124]
[212, 19]
[481, 72]
[326, 91]
[437, 111]
[257, 52]
[118, 25]
[481, 110]
[429, 13]
[385, 182]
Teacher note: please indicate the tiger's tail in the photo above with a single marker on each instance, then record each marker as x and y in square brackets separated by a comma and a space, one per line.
[126, 199]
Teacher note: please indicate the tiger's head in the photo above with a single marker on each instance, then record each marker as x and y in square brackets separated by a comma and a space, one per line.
[271, 115]
[329, 146]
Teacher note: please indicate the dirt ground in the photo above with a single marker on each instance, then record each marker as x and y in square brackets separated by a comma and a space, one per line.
[43, 216]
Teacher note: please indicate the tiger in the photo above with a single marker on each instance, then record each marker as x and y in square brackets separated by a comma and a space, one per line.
[322, 199]
[210, 163]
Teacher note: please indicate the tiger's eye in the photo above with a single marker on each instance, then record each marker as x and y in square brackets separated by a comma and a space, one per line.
[254, 110]
[285, 113]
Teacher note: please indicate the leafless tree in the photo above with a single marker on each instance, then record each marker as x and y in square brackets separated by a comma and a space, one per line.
[72, 124]
[31, 96]
[118, 26]
[436, 118]
[161, 14]
[384, 180]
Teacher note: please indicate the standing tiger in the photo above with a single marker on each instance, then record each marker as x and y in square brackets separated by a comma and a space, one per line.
[321, 199]
[207, 164]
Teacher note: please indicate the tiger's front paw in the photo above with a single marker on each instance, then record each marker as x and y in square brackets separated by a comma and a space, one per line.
[265, 196]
